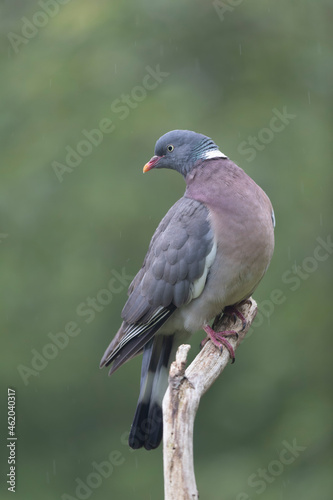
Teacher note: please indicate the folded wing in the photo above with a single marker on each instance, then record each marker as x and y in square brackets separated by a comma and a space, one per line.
[174, 272]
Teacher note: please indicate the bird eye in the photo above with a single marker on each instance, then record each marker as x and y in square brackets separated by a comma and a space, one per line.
[170, 147]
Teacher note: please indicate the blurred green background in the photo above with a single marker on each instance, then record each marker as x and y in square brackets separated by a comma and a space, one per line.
[225, 70]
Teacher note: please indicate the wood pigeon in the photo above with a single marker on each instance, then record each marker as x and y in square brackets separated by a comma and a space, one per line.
[207, 255]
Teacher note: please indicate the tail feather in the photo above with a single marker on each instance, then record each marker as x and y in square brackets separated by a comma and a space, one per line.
[147, 427]
[131, 339]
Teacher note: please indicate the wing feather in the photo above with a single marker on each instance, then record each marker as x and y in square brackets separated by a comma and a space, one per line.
[173, 272]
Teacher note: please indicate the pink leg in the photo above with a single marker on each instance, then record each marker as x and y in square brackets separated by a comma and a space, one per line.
[219, 339]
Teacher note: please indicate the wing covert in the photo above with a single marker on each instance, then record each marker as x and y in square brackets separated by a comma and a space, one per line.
[176, 259]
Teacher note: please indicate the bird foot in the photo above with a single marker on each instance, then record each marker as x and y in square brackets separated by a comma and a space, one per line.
[219, 339]
[233, 311]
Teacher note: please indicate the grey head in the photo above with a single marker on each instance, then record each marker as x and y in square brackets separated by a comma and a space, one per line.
[181, 149]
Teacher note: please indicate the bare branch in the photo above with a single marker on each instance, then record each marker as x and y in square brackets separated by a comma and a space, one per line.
[182, 399]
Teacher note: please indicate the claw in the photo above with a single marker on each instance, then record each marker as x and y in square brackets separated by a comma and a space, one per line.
[232, 311]
[204, 342]
[219, 339]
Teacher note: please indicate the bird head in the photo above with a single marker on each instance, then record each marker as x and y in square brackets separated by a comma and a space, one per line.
[181, 149]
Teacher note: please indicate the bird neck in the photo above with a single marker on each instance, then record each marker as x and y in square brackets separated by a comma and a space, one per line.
[212, 154]
[210, 179]
[205, 150]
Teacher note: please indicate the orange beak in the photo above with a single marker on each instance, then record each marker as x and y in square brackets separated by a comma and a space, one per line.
[151, 164]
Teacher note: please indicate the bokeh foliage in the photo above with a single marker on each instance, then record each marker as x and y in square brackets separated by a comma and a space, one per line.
[61, 241]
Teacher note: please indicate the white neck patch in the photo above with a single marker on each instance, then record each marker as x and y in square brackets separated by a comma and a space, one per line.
[215, 153]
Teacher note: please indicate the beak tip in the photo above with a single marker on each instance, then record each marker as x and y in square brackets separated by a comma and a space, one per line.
[151, 164]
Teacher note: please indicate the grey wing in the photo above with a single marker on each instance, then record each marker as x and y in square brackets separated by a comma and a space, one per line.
[173, 272]
[176, 258]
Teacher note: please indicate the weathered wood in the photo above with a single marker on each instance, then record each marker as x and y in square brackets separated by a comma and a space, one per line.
[182, 399]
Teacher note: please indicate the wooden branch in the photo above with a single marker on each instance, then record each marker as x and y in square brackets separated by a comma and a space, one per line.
[182, 399]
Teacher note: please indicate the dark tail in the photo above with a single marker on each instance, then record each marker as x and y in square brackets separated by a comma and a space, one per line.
[147, 427]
